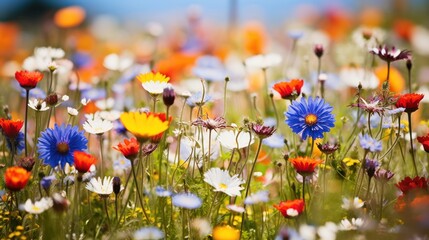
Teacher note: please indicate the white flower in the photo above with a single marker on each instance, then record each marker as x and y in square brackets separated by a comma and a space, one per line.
[356, 203]
[419, 39]
[232, 139]
[72, 111]
[148, 233]
[235, 208]
[155, 87]
[85, 101]
[33, 63]
[103, 187]
[65, 98]
[346, 225]
[115, 62]
[38, 105]
[38, 206]
[112, 115]
[263, 61]
[328, 231]
[49, 52]
[202, 226]
[307, 232]
[97, 126]
[222, 181]
[105, 103]
[292, 212]
[352, 76]
[258, 197]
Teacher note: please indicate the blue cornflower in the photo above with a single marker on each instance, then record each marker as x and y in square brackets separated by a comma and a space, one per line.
[46, 181]
[310, 117]
[370, 167]
[186, 200]
[18, 141]
[197, 99]
[369, 143]
[56, 146]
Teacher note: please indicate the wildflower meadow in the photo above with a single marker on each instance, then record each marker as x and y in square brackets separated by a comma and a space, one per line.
[191, 128]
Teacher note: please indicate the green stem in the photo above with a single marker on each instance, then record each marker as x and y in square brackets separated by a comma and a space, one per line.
[411, 144]
[138, 191]
[27, 95]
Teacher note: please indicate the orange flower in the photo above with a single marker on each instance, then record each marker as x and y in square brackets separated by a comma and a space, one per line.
[28, 80]
[409, 101]
[304, 165]
[129, 148]
[69, 16]
[291, 208]
[16, 178]
[83, 161]
[289, 90]
[11, 128]
[396, 81]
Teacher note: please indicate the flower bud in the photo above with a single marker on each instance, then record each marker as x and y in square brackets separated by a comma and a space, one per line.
[116, 185]
[27, 163]
[52, 99]
[318, 50]
[409, 64]
[168, 96]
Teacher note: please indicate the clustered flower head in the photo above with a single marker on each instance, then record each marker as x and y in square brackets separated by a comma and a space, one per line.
[304, 165]
[144, 125]
[16, 178]
[310, 117]
[11, 128]
[211, 124]
[390, 55]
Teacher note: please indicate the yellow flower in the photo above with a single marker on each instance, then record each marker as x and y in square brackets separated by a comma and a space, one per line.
[144, 125]
[406, 128]
[225, 233]
[154, 83]
[150, 76]
[350, 161]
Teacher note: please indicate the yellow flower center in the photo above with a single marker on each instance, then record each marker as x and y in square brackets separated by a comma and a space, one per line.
[223, 186]
[310, 119]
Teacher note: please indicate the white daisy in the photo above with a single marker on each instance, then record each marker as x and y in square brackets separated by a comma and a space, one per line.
[38, 206]
[148, 233]
[105, 104]
[155, 87]
[111, 115]
[352, 76]
[354, 224]
[264, 61]
[222, 181]
[97, 126]
[85, 101]
[115, 62]
[349, 204]
[72, 111]
[103, 187]
[38, 105]
[232, 139]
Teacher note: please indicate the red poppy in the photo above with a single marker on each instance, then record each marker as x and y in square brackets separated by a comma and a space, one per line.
[11, 128]
[409, 101]
[425, 142]
[129, 148]
[16, 178]
[83, 161]
[407, 185]
[28, 80]
[291, 208]
[304, 165]
[289, 90]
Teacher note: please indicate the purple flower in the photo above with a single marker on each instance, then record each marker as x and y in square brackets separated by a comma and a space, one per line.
[371, 166]
[383, 175]
[262, 131]
[211, 124]
[390, 55]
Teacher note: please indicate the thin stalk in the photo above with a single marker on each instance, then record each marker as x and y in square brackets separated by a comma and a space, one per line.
[249, 178]
[275, 109]
[411, 144]
[100, 137]
[106, 209]
[27, 95]
[137, 185]
[224, 95]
